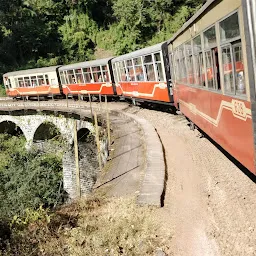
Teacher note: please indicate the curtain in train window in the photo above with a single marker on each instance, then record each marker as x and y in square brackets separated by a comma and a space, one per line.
[159, 67]
[149, 68]
[130, 70]
[105, 73]
[79, 76]
[139, 69]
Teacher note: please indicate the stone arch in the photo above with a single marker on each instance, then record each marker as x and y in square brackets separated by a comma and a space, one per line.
[82, 134]
[11, 128]
[45, 131]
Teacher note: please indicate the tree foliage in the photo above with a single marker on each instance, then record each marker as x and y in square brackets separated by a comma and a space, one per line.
[27, 179]
[36, 33]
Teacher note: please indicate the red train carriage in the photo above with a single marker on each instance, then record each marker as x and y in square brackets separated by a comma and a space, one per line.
[144, 74]
[32, 82]
[213, 83]
[91, 77]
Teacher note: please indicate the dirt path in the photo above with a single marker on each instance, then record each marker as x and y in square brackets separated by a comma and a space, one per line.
[209, 202]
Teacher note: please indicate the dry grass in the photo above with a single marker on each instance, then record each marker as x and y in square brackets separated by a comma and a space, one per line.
[106, 227]
[92, 226]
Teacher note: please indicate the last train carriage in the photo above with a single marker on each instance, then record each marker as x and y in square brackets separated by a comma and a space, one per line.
[213, 74]
[32, 82]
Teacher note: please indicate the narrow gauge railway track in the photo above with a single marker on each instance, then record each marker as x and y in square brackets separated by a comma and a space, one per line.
[209, 205]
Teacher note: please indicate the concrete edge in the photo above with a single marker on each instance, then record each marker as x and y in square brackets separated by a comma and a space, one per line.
[153, 182]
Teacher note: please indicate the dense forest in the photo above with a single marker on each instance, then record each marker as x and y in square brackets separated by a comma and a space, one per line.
[35, 33]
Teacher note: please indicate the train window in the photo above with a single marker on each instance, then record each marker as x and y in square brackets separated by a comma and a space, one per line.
[70, 76]
[159, 67]
[123, 72]
[239, 69]
[147, 59]
[210, 69]
[231, 53]
[46, 79]
[149, 68]
[118, 71]
[139, 69]
[66, 76]
[27, 82]
[150, 72]
[130, 70]
[96, 72]
[87, 75]
[9, 83]
[115, 72]
[211, 59]
[199, 74]
[62, 79]
[16, 82]
[176, 65]
[105, 74]
[21, 82]
[189, 62]
[229, 28]
[34, 81]
[79, 76]
[182, 64]
[210, 38]
[228, 69]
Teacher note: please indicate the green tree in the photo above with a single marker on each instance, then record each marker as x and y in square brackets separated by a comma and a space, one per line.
[78, 37]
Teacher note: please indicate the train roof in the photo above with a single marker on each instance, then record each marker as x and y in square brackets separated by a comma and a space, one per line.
[140, 52]
[86, 64]
[32, 71]
[192, 19]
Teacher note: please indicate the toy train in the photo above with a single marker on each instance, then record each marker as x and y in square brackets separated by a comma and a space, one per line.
[207, 70]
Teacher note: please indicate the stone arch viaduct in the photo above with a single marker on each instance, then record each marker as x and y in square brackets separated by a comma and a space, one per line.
[29, 124]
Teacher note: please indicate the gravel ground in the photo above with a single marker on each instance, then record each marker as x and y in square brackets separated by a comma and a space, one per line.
[209, 206]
